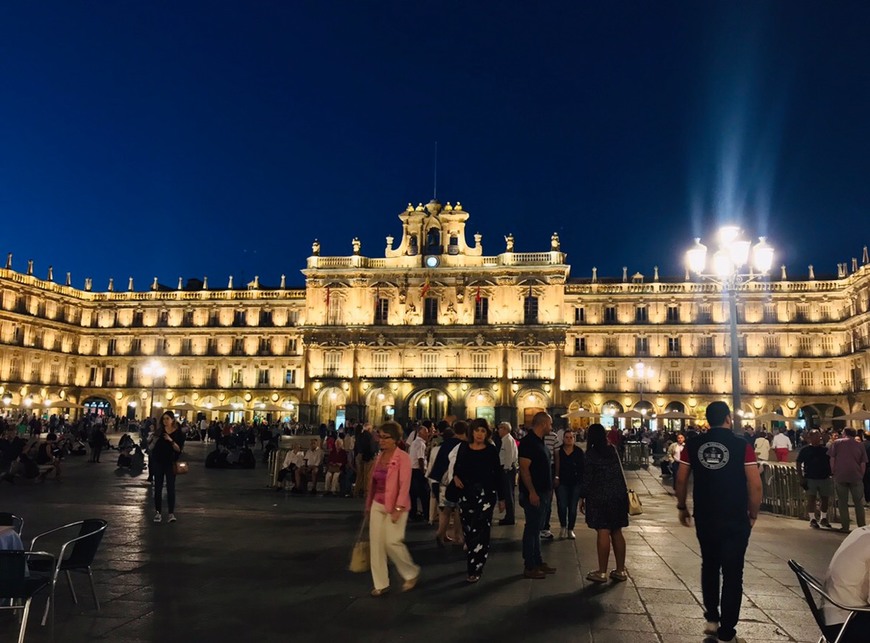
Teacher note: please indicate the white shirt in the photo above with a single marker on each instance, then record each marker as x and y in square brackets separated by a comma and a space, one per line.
[418, 452]
[507, 454]
[781, 441]
[848, 577]
[313, 457]
[762, 448]
[289, 459]
[432, 455]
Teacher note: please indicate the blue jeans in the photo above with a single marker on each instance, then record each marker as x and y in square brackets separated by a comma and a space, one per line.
[569, 497]
[535, 517]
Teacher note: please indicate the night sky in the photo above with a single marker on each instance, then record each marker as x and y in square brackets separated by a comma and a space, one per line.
[215, 138]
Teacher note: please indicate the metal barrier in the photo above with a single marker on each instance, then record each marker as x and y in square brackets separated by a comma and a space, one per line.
[782, 493]
[276, 458]
[636, 455]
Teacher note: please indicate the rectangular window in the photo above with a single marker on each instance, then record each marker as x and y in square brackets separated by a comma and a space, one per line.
[611, 348]
[742, 378]
[184, 376]
[430, 364]
[332, 362]
[705, 347]
[610, 314]
[70, 374]
[380, 364]
[705, 314]
[806, 345]
[211, 346]
[673, 314]
[55, 374]
[382, 310]
[675, 379]
[239, 318]
[238, 346]
[531, 364]
[92, 379]
[579, 315]
[290, 376]
[641, 345]
[480, 364]
[164, 318]
[211, 378]
[807, 379]
[802, 314]
[291, 347]
[263, 377]
[771, 345]
[112, 347]
[132, 376]
[707, 379]
[530, 310]
[333, 312]
[579, 345]
[187, 346]
[481, 310]
[292, 317]
[673, 345]
[109, 376]
[265, 318]
[827, 345]
[772, 379]
[188, 318]
[825, 312]
[265, 346]
[580, 377]
[611, 377]
[430, 311]
[829, 379]
[237, 377]
[641, 314]
[770, 313]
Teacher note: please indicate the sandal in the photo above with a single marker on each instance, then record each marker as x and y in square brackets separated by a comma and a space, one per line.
[619, 576]
[597, 577]
[380, 592]
[410, 584]
[472, 579]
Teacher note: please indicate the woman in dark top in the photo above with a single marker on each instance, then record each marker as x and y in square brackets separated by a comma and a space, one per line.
[605, 501]
[476, 474]
[165, 447]
[568, 483]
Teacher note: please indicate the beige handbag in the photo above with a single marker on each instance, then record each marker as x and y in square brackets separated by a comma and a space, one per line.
[359, 557]
[635, 506]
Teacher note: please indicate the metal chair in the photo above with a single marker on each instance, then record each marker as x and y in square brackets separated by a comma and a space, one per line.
[11, 520]
[809, 584]
[17, 586]
[76, 555]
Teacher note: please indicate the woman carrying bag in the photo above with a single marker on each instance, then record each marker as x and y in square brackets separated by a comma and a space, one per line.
[387, 504]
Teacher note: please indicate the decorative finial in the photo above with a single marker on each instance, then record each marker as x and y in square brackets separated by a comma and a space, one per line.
[624, 274]
[315, 248]
[88, 283]
[865, 257]
[655, 273]
[68, 279]
[594, 274]
[509, 242]
[130, 284]
[783, 276]
[356, 245]
[180, 284]
[111, 287]
[50, 273]
[230, 285]
[854, 264]
[205, 283]
[812, 273]
[283, 282]
[9, 261]
[30, 266]
[477, 239]
[154, 284]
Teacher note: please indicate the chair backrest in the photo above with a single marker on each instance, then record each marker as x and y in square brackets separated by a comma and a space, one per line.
[13, 574]
[82, 551]
[11, 520]
[809, 583]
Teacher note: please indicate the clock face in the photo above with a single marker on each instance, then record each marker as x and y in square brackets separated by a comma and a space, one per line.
[432, 261]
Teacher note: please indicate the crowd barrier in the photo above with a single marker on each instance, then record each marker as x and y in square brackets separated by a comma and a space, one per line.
[782, 493]
[276, 458]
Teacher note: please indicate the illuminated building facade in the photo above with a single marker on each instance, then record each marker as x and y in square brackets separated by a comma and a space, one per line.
[436, 328]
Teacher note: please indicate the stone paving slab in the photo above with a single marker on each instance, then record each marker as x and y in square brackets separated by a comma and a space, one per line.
[246, 562]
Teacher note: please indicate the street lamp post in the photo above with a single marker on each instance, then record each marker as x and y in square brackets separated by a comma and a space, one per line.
[728, 270]
[153, 369]
[639, 373]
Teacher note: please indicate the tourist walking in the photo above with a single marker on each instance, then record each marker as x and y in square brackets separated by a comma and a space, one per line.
[477, 474]
[536, 492]
[727, 497]
[568, 483]
[605, 502]
[387, 503]
[848, 463]
[164, 449]
[814, 472]
[508, 457]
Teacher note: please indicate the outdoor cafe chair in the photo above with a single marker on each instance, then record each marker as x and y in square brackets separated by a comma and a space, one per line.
[17, 588]
[76, 555]
[11, 520]
[809, 583]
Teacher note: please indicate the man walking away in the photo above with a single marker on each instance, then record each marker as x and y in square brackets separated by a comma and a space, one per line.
[814, 473]
[848, 463]
[781, 445]
[364, 450]
[727, 497]
[536, 490]
[507, 455]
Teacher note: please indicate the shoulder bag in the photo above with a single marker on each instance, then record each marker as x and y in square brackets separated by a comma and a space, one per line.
[635, 506]
[359, 556]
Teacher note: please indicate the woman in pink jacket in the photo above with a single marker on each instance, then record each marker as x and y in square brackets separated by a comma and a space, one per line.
[387, 505]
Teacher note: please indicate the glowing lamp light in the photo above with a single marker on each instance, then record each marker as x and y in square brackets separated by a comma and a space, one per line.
[133, 404]
[28, 402]
[723, 266]
[739, 252]
[696, 258]
[442, 397]
[728, 234]
[762, 256]
[333, 395]
[380, 396]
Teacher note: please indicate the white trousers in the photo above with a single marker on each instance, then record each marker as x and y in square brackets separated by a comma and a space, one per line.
[388, 541]
[332, 480]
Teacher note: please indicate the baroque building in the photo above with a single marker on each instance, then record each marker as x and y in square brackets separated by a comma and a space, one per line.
[434, 328]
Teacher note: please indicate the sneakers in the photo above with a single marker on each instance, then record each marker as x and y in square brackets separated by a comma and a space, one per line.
[571, 535]
[546, 534]
[824, 523]
[158, 517]
[533, 572]
[171, 517]
[814, 523]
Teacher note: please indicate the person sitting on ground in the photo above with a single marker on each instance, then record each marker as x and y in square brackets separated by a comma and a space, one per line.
[848, 583]
[310, 469]
[46, 459]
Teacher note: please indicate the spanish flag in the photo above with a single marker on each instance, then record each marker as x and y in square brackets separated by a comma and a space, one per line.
[425, 288]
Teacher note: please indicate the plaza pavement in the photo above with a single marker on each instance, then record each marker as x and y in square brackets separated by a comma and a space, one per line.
[244, 562]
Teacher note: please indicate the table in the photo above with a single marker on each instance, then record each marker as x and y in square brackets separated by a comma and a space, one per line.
[9, 539]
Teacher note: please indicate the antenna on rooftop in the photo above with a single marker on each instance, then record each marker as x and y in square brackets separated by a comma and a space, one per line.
[435, 178]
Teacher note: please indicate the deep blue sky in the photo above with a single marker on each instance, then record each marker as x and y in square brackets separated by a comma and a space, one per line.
[209, 138]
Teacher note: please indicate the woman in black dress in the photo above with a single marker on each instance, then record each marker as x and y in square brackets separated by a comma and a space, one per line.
[605, 503]
[476, 474]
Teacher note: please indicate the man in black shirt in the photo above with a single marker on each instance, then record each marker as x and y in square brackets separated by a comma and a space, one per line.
[814, 472]
[727, 497]
[536, 490]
